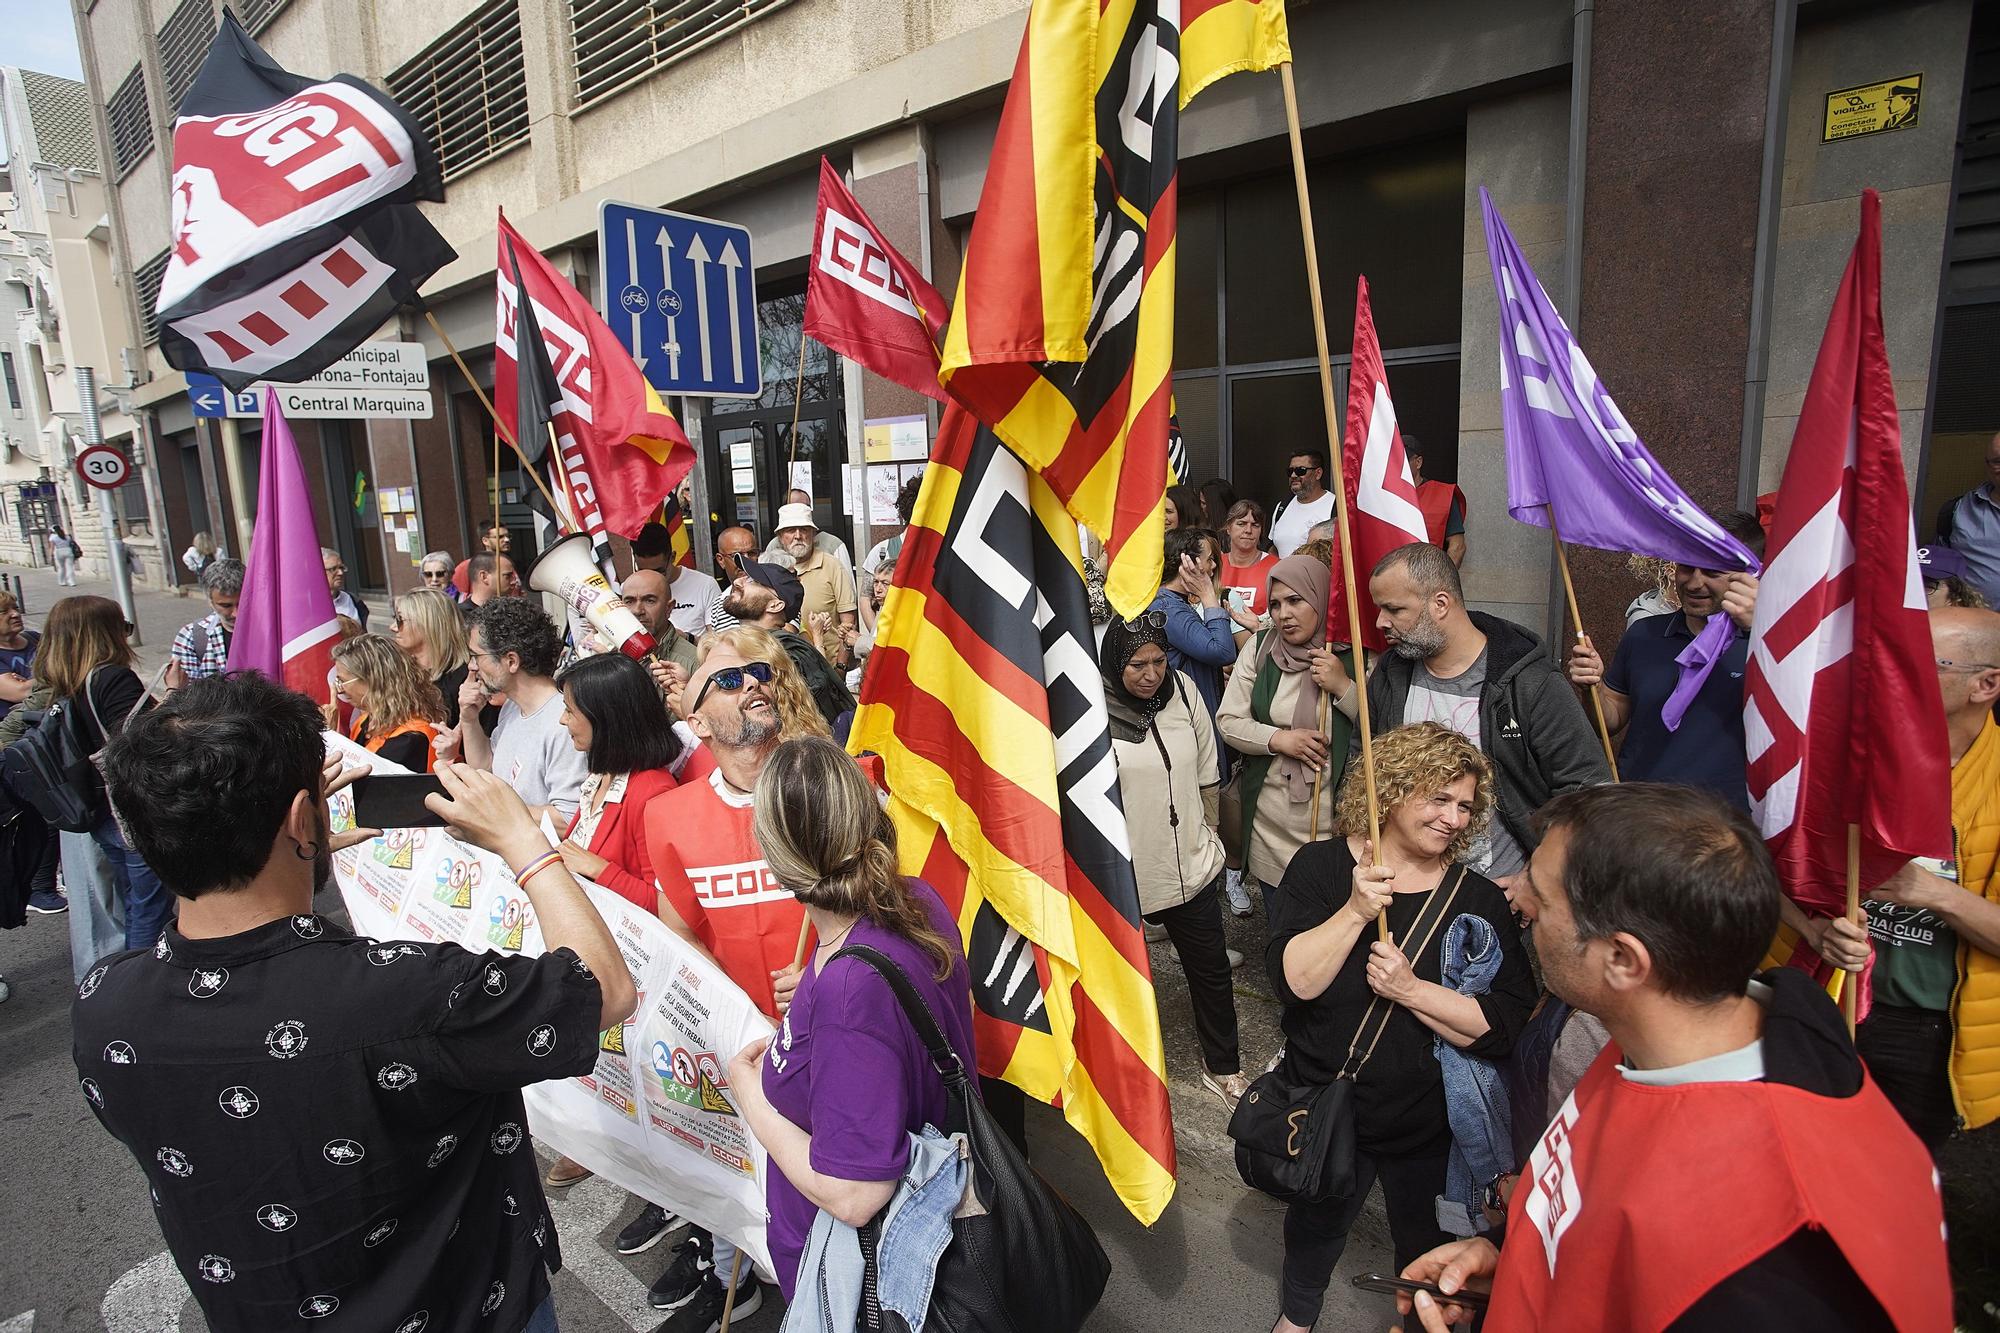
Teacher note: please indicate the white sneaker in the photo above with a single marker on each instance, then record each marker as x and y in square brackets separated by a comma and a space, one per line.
[1239, 897]
[1235, 959]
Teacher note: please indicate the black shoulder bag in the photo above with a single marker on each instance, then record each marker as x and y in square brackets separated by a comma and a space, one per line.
[1295, 1141]
[1021, 1259]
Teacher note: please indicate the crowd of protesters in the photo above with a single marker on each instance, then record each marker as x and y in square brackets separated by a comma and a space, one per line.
[1569, 973]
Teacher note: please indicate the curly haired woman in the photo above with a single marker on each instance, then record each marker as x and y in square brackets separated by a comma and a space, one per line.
[397, 711]
[1436, 792]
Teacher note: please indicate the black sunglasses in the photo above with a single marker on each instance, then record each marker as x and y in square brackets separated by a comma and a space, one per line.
[1301, 471]
[730, 680]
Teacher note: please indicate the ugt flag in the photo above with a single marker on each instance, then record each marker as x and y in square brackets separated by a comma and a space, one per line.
[1844, 723]
[867, 302]
[1574, 462]
[285, 626]
[1381, 499]
[622, 452]
[294, 232]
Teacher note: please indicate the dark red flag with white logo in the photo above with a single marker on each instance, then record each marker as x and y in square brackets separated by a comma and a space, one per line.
[294, 234]
[1844, 721]
[867, 302]
[1381, 499]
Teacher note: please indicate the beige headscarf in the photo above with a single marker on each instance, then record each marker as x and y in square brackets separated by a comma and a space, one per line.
[1308, 578]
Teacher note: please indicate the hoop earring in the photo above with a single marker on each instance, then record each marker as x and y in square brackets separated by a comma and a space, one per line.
[306, 851]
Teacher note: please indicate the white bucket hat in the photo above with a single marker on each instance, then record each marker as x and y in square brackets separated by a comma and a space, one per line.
[796, 516]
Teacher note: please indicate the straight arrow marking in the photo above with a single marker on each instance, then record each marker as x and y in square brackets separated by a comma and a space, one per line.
[632, 280]
[673, 343]
[729, 261]
[698, 256]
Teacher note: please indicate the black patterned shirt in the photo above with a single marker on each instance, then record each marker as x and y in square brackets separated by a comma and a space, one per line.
[332, 1126]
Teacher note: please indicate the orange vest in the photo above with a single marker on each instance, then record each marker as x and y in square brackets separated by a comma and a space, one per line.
[1435, 499]
[1639, 1200]
[428, 730]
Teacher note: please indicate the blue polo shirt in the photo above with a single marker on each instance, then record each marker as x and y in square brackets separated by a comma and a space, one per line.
[1707, 751]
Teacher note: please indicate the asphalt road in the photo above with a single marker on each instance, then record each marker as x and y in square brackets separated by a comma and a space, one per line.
[79, 1251]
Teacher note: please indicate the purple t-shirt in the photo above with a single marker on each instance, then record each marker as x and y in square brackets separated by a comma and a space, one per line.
[847, 1067]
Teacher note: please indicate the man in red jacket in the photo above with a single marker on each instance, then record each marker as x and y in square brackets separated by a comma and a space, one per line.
[1726, 1163]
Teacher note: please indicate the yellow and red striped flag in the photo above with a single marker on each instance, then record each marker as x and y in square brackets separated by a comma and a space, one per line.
[984, 701]
[1061, 337]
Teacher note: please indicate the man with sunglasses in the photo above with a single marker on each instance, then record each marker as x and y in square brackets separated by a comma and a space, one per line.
[1310, 502]
[1707, 748]
[717, 892]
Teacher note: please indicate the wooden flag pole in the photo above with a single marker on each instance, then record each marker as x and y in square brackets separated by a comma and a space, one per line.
[1339, 475]
[805, 934]
[729, 1301]
[798, 398]
[1576, 618]
[500, 430]
[1850, 985]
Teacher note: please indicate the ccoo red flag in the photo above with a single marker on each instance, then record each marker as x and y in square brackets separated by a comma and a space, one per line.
[864, 300]
[1843, 719]
[1381, 499]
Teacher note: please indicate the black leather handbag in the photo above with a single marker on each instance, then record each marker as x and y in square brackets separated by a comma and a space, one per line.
[1295, 1140]
[1022, 1260]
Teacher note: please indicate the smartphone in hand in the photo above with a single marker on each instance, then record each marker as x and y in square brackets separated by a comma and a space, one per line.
[395, 800]
[1471, 1300]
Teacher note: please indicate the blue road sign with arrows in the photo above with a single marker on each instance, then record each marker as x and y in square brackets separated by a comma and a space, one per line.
[681, 294]
[209, 399]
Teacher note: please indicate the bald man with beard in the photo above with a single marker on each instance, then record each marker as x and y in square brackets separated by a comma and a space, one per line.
[649, 597]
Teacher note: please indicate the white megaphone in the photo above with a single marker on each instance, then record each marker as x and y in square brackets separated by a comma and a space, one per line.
[567, 571]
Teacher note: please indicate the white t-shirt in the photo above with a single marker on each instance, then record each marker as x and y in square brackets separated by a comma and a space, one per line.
[693, 593]
[533, 754]
[1288, 534]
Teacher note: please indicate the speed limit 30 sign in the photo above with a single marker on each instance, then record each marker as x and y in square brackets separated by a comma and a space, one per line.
[103, 467]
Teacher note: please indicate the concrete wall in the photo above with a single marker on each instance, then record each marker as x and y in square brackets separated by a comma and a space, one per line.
[1517, 148]
[1912, 168]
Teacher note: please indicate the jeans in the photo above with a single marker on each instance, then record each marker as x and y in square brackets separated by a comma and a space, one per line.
[1316, 1233]
[1908, 1052]
[96, 912]
[148, 905]
[1195, 927]
[723, 1252]
[66, 570]
[543, 1320]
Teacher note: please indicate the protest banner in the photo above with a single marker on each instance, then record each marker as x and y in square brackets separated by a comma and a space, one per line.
[655, 1116]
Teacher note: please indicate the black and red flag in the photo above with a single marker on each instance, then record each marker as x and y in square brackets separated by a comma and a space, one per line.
[295, 230]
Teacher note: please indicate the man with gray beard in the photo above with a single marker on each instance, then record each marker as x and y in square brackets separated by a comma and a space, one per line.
[1489, 679]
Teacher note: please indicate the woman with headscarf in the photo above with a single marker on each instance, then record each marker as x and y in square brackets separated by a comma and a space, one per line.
[1165, 747]
[1271, 716]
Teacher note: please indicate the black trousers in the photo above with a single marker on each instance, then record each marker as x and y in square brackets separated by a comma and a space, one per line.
[1908, 1051]
[1316, 1233]
[1195, 927]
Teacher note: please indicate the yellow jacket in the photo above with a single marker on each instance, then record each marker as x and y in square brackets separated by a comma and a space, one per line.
[1975, 1001]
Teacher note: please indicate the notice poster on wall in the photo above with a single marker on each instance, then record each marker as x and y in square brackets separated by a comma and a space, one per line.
[656, 1115]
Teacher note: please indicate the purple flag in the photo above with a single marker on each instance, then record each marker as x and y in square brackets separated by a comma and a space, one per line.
[285, 627]
[1570, 449]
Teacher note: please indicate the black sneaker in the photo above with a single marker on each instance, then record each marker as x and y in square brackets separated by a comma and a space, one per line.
[683, 1278]
[646, 1230]
[47, 901]
[703, 1313]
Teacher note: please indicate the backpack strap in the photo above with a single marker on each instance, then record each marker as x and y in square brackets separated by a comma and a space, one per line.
[915, 1008]
[1423, 930]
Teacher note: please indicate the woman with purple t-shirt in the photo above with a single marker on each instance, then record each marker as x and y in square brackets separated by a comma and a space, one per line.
[835, 1096]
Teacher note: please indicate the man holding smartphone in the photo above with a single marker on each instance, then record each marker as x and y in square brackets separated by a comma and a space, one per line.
[330, 1124]
[1726, 1163]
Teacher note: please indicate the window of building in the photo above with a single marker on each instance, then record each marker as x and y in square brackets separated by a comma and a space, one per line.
[469, 88]
[147, 279]
[132, 495]
[131, 122]
[256, 15]
[13, 385]
[619, 41]
[184, 40]
[1246, 380]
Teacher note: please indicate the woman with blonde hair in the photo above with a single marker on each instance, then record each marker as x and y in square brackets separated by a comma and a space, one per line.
[397, 711]
[836, 1097]
[427, 626]
[86, 660]
[1337, 978]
